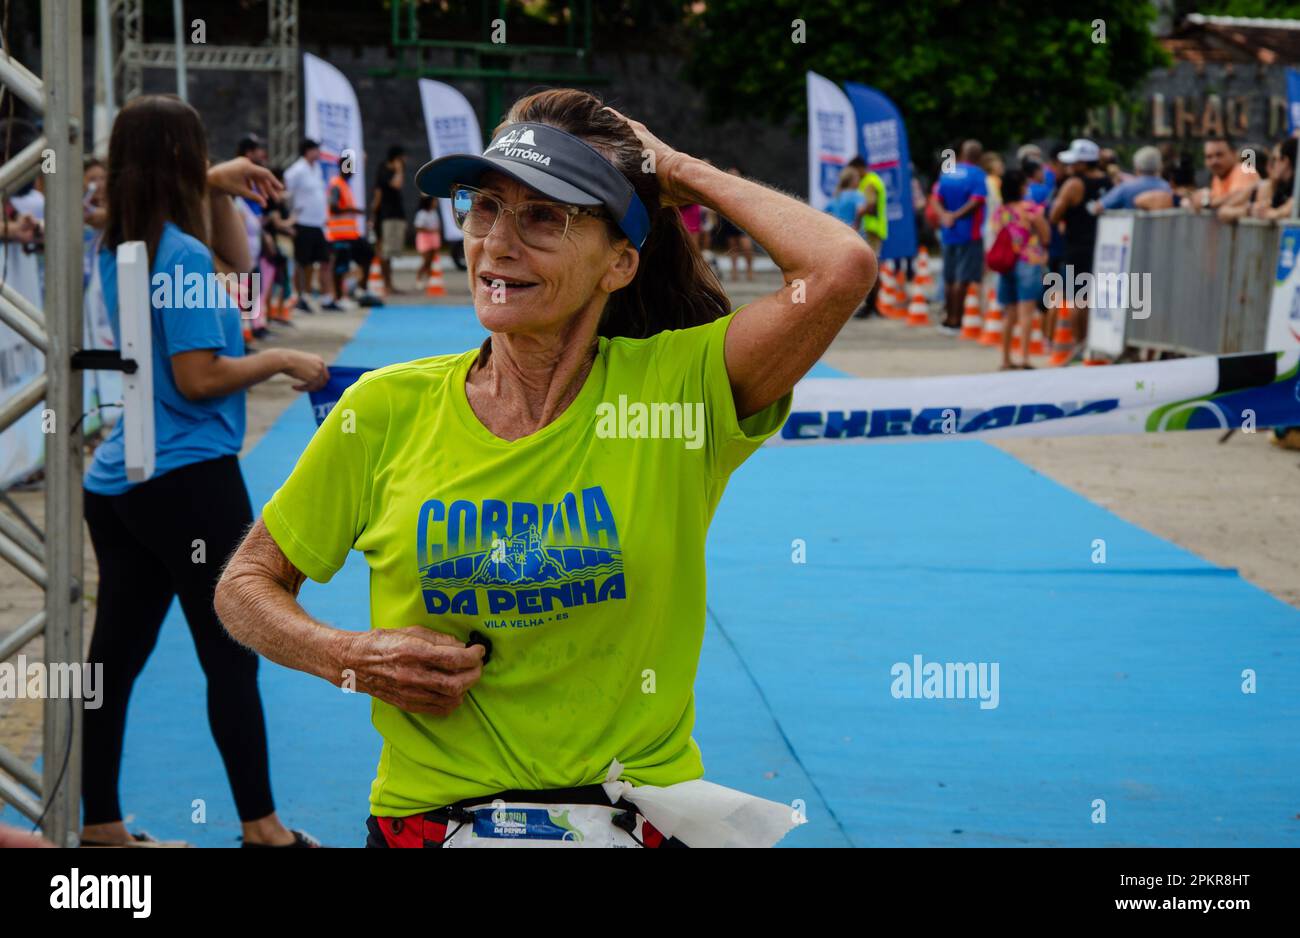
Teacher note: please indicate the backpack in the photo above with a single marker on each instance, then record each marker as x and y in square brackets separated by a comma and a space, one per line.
[1004, 253]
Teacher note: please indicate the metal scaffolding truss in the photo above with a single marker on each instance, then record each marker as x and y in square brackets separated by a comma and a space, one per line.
[279, 59]
[51, 798]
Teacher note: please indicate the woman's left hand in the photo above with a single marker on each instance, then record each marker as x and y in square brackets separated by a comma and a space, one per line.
[666, 163]
[242, 177]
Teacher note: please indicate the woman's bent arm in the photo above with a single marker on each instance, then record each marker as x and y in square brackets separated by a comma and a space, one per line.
[415, 669]
[257, 602]
[828, 269]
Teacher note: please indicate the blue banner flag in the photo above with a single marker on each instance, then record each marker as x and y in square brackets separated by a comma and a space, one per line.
[882, 142]
[341, 378]
[1292, 100]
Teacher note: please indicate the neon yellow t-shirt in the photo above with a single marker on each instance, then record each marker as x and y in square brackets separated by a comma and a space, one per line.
[579, 550]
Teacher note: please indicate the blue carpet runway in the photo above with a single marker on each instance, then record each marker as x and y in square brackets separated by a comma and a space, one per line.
[1119, 682]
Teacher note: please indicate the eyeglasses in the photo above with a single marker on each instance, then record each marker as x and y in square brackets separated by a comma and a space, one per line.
[541, 224]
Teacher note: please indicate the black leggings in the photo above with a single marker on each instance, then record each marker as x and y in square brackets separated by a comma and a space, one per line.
[145, 544]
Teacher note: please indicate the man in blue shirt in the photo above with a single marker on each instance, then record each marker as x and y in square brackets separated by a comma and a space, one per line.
[1146, 163]
[958, 199]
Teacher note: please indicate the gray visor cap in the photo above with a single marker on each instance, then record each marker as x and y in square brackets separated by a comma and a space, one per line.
[556, 164]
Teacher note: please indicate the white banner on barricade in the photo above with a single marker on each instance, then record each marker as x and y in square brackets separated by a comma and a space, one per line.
[1284, 310]
[1245, 392]
[1112, 258]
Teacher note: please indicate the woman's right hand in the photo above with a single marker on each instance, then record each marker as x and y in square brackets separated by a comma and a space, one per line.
[309, 370]
[242, 177]
[415, 669]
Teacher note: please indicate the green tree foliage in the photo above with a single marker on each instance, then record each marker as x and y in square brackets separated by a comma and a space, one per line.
[997, 70]
[1266, 9]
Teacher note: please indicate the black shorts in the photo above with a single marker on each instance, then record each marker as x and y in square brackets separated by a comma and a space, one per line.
[1081, 261]
[347, 253]
[310, 246]
[726, 230]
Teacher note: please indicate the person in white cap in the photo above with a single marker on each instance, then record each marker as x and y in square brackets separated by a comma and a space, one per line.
[1076, 207]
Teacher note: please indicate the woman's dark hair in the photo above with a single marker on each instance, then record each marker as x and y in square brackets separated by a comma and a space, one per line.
[426, 203]
[673, 288]
[157, 172]
[1013, 185]
[1288, 149]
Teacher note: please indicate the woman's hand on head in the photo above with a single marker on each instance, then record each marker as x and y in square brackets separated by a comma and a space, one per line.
[666, 163]
[415, 669]
[242, 177]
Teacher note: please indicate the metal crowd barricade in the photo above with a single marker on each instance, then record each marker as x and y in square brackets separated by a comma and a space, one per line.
[1211, 282]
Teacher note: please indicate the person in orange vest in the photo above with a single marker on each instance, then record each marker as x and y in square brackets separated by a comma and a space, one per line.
[345, 229]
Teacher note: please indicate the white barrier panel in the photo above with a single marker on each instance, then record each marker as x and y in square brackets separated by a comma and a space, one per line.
[1111, 261]
[135, 322]
[1247, 391]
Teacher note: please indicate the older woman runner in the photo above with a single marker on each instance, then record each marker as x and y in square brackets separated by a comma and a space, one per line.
[534, 511]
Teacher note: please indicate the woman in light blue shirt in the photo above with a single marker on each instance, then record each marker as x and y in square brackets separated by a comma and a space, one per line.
[169, 536]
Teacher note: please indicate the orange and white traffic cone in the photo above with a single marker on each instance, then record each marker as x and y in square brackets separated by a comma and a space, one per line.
[993, 324]
[922, 287]
[1063, 340]
[923, 277]
[435, 286]
[885, 295]
[918, 311]
[896, 308]
[971, 322]
[375, 282]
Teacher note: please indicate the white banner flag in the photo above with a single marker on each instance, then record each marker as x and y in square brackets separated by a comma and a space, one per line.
[453, 128]
[832, 138]
[333, 119]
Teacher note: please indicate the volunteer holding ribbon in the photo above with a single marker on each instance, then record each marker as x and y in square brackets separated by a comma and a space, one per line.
[536, 568]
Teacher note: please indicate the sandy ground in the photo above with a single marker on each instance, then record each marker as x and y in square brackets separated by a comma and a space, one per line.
[1234, 504]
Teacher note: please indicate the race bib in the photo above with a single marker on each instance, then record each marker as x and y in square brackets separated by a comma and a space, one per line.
[522, 824]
